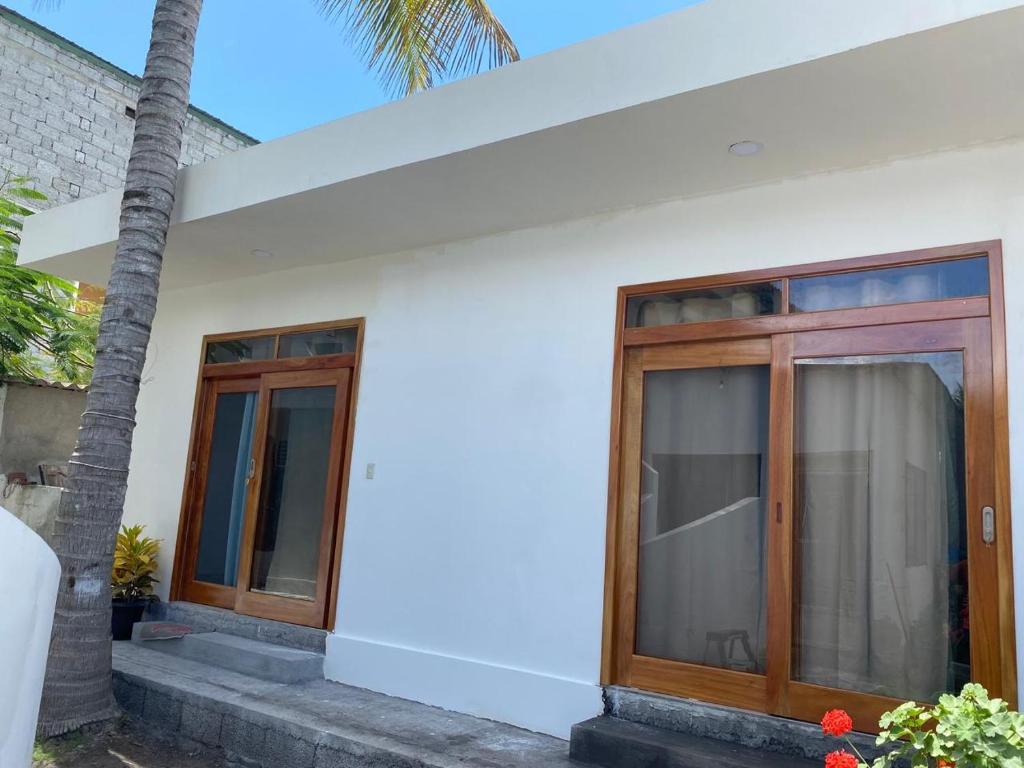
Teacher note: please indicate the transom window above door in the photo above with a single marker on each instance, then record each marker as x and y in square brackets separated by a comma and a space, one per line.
[863, 283]
[810, 503]
[305, 343]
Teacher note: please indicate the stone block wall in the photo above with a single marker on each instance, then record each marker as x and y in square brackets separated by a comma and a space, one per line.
[66, 115]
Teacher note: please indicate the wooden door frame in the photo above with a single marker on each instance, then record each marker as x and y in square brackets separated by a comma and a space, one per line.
[630, 343]
[242, 370]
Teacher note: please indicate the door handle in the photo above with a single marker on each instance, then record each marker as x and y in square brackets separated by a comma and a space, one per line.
[988, 525]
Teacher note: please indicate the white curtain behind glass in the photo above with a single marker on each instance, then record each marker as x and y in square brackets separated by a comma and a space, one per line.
[881, 559]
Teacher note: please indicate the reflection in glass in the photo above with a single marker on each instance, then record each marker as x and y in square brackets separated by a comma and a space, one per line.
[334, 341]
[880, 526]
[293, 492]
[702, 590]
[954, 279]
[240, 350]
[224, 501]
[705, 304]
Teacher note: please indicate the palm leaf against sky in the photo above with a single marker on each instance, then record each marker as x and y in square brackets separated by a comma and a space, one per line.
[414, 44]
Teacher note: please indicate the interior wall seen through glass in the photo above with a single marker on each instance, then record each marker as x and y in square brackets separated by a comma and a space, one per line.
[702, 586]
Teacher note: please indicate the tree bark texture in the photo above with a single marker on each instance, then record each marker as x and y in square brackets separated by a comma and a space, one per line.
[78, 674]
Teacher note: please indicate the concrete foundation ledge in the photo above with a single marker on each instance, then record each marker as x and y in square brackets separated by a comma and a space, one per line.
[244, 735]
[317, 724]
[612, 743]
[737, 726]
[529, 699]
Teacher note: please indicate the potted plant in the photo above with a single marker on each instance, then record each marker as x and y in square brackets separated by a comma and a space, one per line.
[132, 579]
[969, 730]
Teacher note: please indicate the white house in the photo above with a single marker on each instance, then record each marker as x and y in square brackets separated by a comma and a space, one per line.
[689, 359]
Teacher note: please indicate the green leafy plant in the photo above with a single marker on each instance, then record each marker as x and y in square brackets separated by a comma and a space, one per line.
[135, 564]
[46, 331]
[966, 731]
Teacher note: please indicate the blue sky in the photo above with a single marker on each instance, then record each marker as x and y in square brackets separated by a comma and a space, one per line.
[271, 73]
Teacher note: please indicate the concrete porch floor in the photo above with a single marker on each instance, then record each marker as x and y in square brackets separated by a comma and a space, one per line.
[316, 724]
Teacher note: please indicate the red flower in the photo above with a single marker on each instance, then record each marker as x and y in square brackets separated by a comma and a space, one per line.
[840, 759]
[836, 723]
[944, 763]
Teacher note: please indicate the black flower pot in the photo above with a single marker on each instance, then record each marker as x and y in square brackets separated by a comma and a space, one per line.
[123, 616]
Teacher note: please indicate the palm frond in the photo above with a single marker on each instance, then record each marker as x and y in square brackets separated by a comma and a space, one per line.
[471, 36]
[414, 44]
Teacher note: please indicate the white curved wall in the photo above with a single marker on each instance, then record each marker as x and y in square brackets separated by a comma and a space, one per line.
[29, 575]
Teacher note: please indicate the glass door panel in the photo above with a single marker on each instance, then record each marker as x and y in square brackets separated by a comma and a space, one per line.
[227, 429]
[224, 504]
[880, 524]
[892, 474]
[694, 536]
[294, 495]
[703, 482]
[295, 478]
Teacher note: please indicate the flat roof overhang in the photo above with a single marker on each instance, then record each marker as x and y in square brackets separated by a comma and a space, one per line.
[639, 116]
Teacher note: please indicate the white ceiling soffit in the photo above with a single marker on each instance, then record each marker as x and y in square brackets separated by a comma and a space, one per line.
[641, 115]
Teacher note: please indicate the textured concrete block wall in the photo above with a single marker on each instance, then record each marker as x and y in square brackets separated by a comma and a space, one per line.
[38, 425]
[63, 119]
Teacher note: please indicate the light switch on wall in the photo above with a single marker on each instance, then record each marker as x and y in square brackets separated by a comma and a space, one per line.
[369, 471]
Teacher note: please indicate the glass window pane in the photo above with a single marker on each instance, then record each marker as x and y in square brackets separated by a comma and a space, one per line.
[702, 589]
[291, 511]
[240, 350]
[224, 500]
[880, 526]
[954, 279]
[334, 341]
[705, 304]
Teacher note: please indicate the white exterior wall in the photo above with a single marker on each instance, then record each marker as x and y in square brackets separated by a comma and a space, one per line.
[29, 574]
[472, 575]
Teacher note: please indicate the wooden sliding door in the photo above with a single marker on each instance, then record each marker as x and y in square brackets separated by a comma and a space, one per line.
[808, 511]
[694, 498]
[261, 526]
[894, 576]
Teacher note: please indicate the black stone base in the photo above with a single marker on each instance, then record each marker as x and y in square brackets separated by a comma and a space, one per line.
[613, 743]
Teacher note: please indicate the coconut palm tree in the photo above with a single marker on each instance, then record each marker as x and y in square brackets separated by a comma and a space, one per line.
[411, 44]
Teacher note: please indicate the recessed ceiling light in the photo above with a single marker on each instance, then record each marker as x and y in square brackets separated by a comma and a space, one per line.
[746, 148]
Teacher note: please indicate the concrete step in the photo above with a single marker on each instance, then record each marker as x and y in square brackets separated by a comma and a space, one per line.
[315, 724]
[265, 661]
[736, 726]
[613, 743]
[204, 618]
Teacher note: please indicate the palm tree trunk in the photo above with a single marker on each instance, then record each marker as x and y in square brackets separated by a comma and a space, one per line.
[78, 675]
